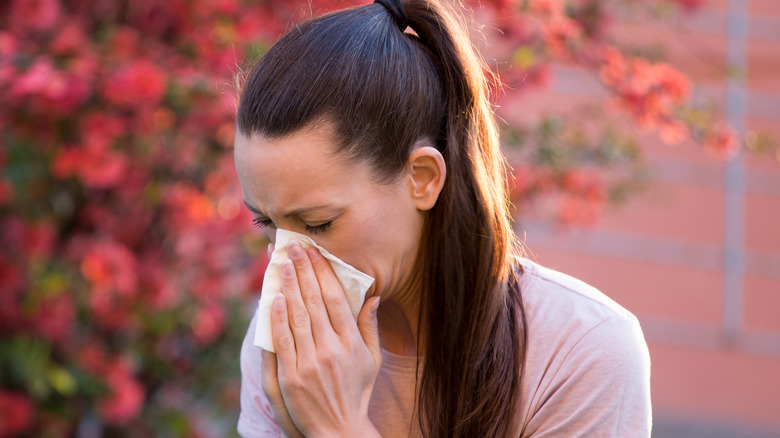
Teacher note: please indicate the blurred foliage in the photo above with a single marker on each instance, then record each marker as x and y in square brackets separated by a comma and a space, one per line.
[127, 265]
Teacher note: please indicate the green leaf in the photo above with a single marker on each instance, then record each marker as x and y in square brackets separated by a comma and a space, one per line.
[61, 380]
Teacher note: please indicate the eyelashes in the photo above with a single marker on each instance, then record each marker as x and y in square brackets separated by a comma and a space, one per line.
[319, 228]
[263, 223]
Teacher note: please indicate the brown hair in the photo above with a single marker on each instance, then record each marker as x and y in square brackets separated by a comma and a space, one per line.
[383, 91]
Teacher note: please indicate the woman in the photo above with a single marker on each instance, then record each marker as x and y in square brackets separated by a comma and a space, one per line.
[369, 130]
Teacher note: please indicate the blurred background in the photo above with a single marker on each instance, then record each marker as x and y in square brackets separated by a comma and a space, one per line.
[642, 136]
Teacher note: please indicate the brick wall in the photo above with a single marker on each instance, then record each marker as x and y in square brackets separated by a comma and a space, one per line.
[696, 257]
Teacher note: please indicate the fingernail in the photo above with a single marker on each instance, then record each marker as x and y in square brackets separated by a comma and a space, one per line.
[270, 249]
[374, 306]
[295, 249]
[287, 269]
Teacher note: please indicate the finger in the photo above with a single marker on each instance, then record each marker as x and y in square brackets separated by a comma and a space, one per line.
[298, 316]
[284, 343]
[369, 328]
[270, 250]
[332, 294]
[270, 378]
[273, 393]
[311, 292]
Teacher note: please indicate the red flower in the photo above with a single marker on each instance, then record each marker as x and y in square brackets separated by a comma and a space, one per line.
[126, 398]
[55, 317]
[35, 14]
[140, 83]
[40, 79]
[16, 412]
[546, 7]
[95, 166]
[674, 132]
[6, 192]
[208, 324]
[189, 207]
[560, 33]
[32, 240]
[70, 39]
[92, 357]
[11, 288]
[110, 266]
[721, 141]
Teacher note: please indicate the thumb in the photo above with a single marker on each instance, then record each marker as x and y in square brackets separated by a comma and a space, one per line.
[369, 328]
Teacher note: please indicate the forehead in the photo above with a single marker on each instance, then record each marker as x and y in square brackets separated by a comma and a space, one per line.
[295, 171]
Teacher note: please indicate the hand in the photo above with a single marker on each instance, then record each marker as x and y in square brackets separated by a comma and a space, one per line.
[326, 364]
[273, 393]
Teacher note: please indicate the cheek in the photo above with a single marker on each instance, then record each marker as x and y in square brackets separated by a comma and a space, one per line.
[380, 239]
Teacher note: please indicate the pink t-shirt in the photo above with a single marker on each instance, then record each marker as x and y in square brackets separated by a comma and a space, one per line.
[587, 369]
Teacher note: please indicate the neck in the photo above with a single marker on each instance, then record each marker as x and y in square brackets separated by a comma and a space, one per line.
[398, 327]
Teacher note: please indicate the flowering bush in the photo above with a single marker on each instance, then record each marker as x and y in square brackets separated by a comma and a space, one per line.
[127, 266]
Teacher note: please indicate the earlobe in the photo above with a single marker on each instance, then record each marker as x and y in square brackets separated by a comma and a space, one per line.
[427, 173]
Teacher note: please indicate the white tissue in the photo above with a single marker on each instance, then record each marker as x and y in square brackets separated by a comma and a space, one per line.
[354, 282]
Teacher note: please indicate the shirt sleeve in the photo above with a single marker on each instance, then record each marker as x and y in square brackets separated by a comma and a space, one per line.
[256, 419]
[602, 388]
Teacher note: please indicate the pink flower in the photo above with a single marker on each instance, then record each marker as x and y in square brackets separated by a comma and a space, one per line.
[208, 323]
[47, 89]
[560, 33]
[55, 317]
[6, 192]
[100, 129]
[92, 357]
[140, 83]
[8, 45]
[674, 132]
[189, 207]
[160, 292]
[32, 240]
[110, 266]
[95, 166]
[70, 39]
[40, 79]
[16, 412]
[34, 14]
[546, 7]
[11, 288]
[721, 141]
[125, 401]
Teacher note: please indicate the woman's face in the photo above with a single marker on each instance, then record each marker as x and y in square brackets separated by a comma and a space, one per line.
[297, 183]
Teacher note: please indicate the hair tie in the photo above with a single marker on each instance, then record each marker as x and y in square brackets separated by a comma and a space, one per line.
[397, 10]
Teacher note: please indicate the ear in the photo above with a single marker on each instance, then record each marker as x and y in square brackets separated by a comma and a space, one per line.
[426, 174]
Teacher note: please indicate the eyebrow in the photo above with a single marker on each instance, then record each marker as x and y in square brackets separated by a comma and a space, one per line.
[296, 212]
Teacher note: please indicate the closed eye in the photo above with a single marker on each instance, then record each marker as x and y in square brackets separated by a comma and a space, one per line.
[319, 228]
[262, 223]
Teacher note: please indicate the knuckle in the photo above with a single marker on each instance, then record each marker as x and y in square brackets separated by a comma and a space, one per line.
[301, 261]
[284, 343]
[327, 355]
[333, 297]
[318, 262]
[290, 382]
[300, 318]
[314, 301]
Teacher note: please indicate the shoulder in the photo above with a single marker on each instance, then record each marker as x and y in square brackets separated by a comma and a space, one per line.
[586, 358]
[564, 311]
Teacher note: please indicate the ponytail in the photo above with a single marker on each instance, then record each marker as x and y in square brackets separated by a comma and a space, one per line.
[471, 309]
